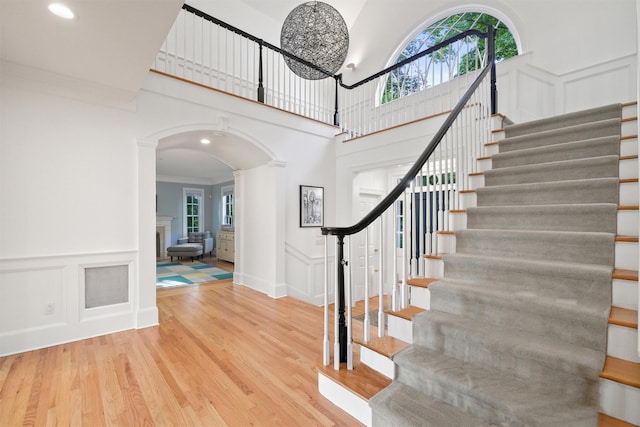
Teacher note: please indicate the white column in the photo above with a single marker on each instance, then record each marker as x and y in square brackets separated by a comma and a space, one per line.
[145, 288]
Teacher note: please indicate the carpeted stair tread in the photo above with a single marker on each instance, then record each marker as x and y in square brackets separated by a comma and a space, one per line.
[561, 280]
[550, 217]
[533, 311]
[402, 406]
[517, 330]
[595, 147]
[612, 111]
[560, 135]
[485, 392]
[593, 190]
[517, 352]
[564, 170]
[568, 246]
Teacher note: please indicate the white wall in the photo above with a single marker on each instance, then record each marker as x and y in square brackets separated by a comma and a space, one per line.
[77, 185]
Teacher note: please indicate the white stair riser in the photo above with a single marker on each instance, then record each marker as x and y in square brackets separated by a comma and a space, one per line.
[476, 181]
[458, 221]
[620, 401]
[629, 111]
[344, 399]
[626, 256]
[434, 268]
[446, 243]
[625, 294]
[629, 147]
[629, 222]
[400, 328]
[629, 128]
[490, 150]
[622, 342]
[484, 165]
[420, 297]
[377, 362]
[497, 123]
[629, 194]
[468, 200]
[628, 168]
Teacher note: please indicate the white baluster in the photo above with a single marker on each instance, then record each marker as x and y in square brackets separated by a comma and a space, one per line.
[326, 356]
[367, 320]
[380, 284]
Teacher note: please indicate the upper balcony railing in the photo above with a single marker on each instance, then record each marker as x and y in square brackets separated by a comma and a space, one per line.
[202, 49]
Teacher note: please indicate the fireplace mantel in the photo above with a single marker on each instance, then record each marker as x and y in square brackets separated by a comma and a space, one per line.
[163, 230]
[164, 220]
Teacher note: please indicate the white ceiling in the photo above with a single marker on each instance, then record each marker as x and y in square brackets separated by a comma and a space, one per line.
[184, 156]
[110, 43]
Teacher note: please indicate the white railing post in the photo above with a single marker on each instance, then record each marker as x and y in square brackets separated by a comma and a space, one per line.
[380, 284]
[394, 256]
[405, 249]
[326, 356]
[367, 320]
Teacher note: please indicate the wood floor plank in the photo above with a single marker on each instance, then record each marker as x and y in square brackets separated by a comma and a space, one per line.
[222, 355]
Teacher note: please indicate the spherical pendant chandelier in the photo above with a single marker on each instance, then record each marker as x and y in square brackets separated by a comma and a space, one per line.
[316, 32]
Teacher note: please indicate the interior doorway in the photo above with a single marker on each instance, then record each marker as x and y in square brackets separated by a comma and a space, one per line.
[367, 200]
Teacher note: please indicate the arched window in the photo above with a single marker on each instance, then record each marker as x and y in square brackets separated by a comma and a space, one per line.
[448, 63]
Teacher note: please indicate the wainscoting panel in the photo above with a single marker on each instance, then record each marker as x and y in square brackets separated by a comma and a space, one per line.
[605, 84]
[46, 301]
[32, 298]
[526, 92]
[305, 276]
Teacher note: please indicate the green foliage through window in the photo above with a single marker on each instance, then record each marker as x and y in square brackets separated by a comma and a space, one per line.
[453, 60]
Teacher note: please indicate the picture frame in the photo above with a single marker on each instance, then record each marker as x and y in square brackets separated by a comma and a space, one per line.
[311, 206]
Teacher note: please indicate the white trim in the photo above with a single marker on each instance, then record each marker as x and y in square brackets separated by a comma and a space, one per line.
[344, 399]
[185, 192]
[226, 190]
[453, 11]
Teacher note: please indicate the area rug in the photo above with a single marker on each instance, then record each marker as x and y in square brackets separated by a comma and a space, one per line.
[170, 274]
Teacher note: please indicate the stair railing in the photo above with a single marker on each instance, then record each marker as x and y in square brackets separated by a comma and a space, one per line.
[212, 53]
[205, 50]
[422, 200]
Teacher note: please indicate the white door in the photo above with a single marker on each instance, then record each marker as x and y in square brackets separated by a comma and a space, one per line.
[366, 202]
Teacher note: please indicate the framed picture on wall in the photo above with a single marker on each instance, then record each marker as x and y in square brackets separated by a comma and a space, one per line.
[311, 206]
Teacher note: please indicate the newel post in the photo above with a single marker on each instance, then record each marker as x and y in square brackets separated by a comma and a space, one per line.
[260, 85]
[491, 45]
[336, 114]
[340, 300]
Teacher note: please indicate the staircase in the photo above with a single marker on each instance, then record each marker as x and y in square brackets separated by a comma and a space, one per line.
[521, 328]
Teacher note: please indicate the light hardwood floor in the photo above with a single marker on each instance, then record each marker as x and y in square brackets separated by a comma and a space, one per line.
[222, 355]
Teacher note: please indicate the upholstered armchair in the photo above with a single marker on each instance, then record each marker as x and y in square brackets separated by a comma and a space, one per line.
[194, 245]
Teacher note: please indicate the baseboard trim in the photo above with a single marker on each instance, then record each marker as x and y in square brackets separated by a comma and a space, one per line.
[147, 317]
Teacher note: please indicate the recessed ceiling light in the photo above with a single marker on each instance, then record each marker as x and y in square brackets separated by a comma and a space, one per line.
[61, 10]
[205, 141]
